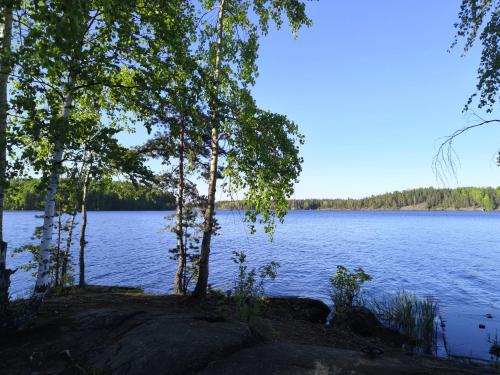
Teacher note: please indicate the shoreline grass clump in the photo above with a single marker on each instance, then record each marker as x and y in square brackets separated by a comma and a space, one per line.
[495, 348]
[414, 317]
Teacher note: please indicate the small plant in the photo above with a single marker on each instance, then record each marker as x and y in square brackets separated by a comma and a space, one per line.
[414, 317]
[346, 288]
[249, 290]
[495, 347]
[216, 293]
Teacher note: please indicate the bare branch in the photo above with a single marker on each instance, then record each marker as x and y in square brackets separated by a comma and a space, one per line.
[443, 162]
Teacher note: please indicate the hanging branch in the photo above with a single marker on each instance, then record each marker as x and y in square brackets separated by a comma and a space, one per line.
[444, 160]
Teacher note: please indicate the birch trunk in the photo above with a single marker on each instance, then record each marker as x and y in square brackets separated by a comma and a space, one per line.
[179, 282]
[43, 278]
[86, 183]
[69, 241]
[202, 283]
[5, 40]
[57, 271]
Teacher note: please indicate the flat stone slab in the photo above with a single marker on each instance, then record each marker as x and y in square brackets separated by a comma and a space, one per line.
[169, 344]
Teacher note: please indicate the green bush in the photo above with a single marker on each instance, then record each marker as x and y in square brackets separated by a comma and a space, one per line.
[346, 288]
[248, 290]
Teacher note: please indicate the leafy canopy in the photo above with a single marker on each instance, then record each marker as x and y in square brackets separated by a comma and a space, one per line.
[481, 19]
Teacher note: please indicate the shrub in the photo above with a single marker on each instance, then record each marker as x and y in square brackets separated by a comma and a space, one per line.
[249, 290]
[346, 287]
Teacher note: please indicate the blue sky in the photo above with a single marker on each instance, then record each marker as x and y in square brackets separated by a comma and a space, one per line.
[373, 90]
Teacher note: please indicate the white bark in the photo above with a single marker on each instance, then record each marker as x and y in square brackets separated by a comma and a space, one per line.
[43, 278]
[179, 283]
[5, 45]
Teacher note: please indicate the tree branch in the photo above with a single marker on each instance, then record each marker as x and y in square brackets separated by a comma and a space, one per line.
[443, 161]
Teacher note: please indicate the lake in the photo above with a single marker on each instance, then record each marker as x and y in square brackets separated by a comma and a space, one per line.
[453, 257]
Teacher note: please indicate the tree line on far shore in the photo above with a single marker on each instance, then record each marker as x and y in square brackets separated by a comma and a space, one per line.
[487, 198]
[126, 196]
[28, 195]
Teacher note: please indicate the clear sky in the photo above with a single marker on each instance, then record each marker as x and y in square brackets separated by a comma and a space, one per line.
[373, 89]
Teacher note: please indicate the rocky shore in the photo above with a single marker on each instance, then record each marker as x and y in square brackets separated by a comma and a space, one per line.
[110, 330]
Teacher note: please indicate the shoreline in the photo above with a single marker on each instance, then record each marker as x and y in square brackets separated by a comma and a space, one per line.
[124, 330]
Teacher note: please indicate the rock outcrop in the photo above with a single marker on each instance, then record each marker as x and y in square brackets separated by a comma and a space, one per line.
[125, 332]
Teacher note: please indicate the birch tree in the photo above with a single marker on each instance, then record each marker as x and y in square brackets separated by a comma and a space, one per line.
[6, 11]
[230, 48]
[158, 46]
[83, 229]
[71, 52]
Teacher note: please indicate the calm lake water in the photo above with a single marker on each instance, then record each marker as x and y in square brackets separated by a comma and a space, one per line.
[453, 257]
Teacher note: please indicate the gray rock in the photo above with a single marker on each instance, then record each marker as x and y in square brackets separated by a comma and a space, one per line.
[262, 328]
[363, 322]
[170, 344]
[298, 308]
[359, 320]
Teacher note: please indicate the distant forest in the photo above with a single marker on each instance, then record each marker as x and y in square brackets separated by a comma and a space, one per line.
[125, 196]
[110, 196]
[418, 199]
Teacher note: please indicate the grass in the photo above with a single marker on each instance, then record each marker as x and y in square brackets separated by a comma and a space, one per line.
[416, 318]
[495, 347]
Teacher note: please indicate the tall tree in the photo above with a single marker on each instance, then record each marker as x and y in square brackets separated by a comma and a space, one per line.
[202, 282]
[72, 53]
[83, 229]
[182, 145]
[232, 61]
[6, 10]
[170, 103]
